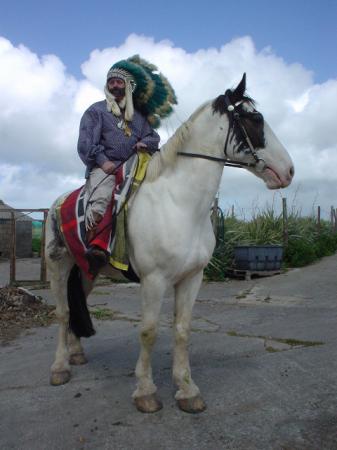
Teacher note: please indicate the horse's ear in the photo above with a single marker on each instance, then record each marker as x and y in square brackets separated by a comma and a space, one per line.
[240, 89]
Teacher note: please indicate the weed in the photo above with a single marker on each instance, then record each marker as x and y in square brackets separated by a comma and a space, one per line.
[102, 313]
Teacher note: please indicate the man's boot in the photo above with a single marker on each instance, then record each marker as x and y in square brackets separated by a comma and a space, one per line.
[97, 259]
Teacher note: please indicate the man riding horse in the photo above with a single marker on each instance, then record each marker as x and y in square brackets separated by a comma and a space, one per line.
[112, 130]
[171, 238]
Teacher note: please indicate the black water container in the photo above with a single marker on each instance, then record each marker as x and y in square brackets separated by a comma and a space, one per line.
[258, 257]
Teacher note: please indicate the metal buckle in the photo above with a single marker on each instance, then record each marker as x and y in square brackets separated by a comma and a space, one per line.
[260, 165]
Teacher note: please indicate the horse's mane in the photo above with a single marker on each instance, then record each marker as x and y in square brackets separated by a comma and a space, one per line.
[168, 152]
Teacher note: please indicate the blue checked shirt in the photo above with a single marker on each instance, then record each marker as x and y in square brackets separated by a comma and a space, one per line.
[101, 140]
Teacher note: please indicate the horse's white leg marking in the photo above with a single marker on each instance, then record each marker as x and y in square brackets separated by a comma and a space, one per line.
[152, 292]
[185, 295]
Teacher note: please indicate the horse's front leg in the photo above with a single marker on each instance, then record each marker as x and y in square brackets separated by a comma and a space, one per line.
[152, 292]
[188, 394]
[76, 352]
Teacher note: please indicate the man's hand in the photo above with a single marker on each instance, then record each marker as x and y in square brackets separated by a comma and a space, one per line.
[108, 167]
[140, 146]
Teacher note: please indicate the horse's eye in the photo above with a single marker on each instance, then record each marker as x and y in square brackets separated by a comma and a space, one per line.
[257, 117]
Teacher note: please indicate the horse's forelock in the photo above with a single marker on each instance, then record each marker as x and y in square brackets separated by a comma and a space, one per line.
[219, 104]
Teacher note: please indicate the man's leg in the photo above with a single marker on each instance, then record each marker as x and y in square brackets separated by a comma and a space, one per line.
[99, 190]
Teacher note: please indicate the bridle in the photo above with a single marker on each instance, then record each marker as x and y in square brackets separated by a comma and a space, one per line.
[234, 114]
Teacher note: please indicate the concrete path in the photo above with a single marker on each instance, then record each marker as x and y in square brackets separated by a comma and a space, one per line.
[26, 269]
[263, 353]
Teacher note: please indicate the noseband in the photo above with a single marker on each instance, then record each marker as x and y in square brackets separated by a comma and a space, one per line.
[233, 113]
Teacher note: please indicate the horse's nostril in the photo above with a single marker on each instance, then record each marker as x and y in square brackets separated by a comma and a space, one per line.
[292, 171]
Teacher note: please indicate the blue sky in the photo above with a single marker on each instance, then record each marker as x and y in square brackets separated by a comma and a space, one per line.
[287, 48]
[302, 31]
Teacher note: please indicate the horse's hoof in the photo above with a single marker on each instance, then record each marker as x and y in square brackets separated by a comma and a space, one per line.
[192, 405]
[58, 378]
[77, 359]
[148, 403]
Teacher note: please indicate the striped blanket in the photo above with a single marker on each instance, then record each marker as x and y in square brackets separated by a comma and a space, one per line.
[112, 230]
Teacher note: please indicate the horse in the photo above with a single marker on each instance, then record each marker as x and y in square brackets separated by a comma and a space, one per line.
[171, 235]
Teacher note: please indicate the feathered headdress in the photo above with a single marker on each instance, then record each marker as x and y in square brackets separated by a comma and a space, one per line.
[153, 95]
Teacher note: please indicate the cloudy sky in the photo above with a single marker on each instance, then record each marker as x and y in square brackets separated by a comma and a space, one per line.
[54, 57]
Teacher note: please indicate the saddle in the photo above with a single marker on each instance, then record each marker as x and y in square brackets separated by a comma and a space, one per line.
[111, 234]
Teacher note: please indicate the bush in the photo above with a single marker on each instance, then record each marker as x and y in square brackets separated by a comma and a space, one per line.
[299, 252]
[326, 244]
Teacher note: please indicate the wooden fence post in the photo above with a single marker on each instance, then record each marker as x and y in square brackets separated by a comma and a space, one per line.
[285, 221]
[12, 270]
[43, 271]
[233, 215]
[332, 209]
[214, 217]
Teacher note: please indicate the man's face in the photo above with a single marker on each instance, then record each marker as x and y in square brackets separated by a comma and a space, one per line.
[116, 87]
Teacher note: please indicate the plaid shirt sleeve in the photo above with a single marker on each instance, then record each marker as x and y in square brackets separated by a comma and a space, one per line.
[90, 150]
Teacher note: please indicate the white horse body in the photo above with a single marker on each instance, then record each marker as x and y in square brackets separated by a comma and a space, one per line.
[171, 241]
[169, 223]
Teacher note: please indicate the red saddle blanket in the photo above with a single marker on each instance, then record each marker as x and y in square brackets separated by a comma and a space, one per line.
[71, 216]
[71, 212]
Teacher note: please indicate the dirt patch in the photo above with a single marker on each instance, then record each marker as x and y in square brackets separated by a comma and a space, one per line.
[21, 310]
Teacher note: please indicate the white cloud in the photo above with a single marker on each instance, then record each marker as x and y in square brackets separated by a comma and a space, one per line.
[41, 106]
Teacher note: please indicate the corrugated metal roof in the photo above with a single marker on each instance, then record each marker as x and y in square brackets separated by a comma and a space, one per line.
[17, 214]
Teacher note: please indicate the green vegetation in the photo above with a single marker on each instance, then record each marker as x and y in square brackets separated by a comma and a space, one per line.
[36, 245]
[306, 243]
[103, 313]
[36, 236]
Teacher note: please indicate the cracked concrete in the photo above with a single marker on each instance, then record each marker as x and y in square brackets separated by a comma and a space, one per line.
[263, 353]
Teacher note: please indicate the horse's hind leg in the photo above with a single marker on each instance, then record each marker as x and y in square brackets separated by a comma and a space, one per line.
[59, 272]
[152, 291]
[188, 394]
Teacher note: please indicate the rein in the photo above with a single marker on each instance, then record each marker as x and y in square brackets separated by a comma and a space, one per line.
[225, 161]
[231, 109]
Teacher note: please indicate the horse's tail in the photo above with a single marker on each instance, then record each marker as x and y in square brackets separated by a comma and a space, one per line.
[79, 318]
